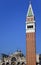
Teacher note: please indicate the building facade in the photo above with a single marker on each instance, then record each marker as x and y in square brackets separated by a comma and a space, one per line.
[16, 58]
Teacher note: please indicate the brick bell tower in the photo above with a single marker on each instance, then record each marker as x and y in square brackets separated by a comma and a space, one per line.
[30, 37]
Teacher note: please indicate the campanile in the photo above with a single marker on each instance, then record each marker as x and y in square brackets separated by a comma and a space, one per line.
[30, 37]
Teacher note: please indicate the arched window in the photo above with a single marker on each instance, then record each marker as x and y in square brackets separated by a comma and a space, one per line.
[23, 63]
[7, 63]
[13, 59]
[13, 63]
[3, 63]
[18, 63]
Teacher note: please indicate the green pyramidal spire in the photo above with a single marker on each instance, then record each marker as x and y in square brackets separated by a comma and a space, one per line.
[30, 11]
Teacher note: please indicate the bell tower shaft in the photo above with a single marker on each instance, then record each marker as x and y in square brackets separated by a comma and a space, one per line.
[30, 38]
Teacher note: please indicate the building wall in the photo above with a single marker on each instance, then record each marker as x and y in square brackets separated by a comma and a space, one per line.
[14, 59]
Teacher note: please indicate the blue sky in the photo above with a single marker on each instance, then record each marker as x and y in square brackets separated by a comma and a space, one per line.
[12, 25]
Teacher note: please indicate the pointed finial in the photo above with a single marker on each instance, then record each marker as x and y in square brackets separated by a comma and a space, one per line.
[29, 2]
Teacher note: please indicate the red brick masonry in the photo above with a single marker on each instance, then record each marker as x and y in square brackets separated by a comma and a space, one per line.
[30, 48]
